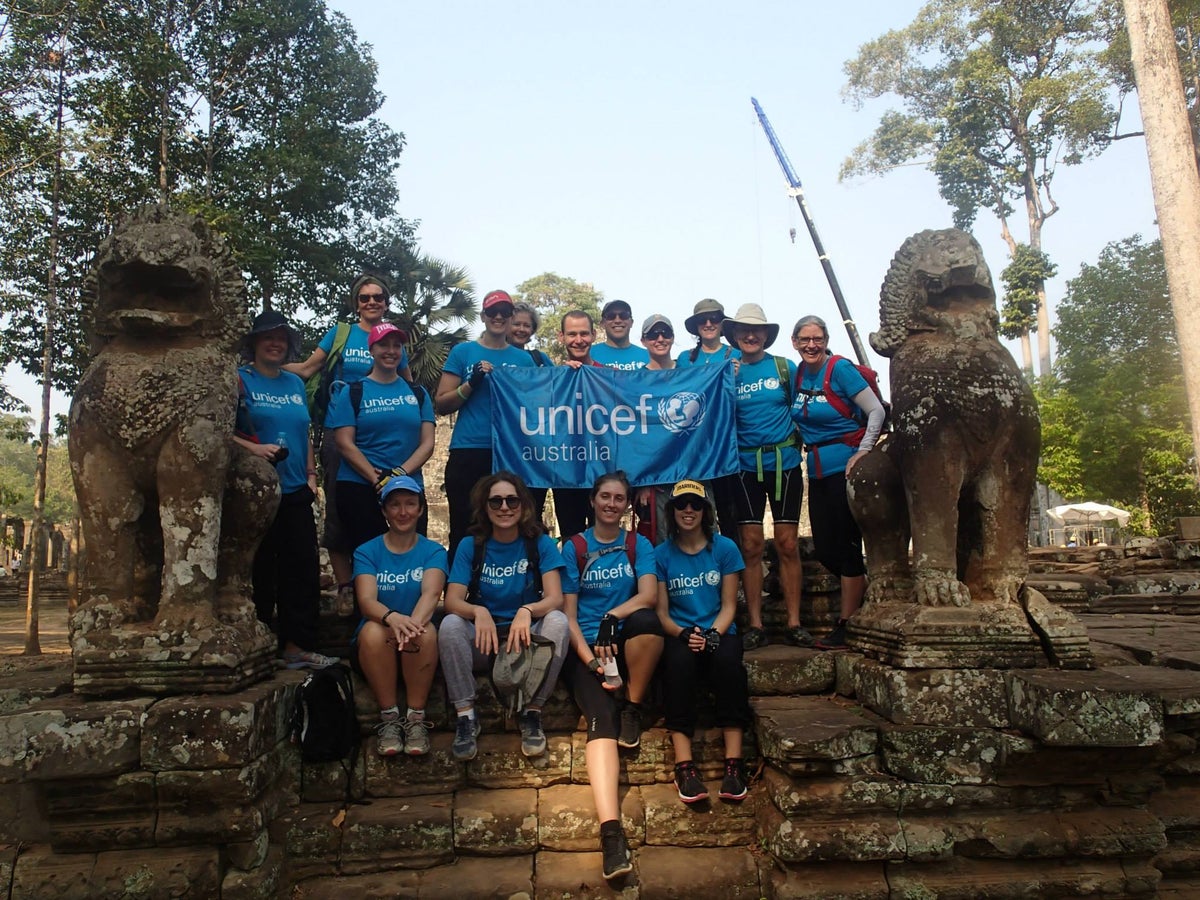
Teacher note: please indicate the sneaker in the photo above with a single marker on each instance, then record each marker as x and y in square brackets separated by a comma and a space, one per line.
[465, 733]
[733, 785]
[836, 639]
[307, 659]
[687, 780]
[533, 739]
[416, 737]
[616, 854]
[344, 604]
[753, 638]
[798, 637]
[631, 726]
[391, 738]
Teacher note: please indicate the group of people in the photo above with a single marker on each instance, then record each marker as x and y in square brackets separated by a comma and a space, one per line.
[608, 608]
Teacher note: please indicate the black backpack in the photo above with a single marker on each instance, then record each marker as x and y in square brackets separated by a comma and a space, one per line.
[324, 724]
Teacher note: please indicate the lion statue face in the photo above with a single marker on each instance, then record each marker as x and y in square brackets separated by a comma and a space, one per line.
[162, 274]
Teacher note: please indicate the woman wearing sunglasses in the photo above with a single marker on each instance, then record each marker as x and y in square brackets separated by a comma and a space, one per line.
[505, 584]
[465, 389]
[348, 342]
[706, 321]
[398, 578]
[697, 598]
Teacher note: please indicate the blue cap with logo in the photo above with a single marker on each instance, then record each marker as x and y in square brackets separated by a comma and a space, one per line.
[400, 483]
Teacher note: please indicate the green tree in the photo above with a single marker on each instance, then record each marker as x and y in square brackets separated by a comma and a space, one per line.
[553, 295]
[1060, 467]
[1119, 362]
[994, 95]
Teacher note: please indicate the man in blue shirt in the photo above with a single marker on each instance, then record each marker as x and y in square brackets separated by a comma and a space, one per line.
[617, 352]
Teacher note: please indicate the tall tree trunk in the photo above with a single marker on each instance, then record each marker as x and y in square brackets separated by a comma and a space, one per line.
[1174, 177]
[1026, 347]
[1026, 353]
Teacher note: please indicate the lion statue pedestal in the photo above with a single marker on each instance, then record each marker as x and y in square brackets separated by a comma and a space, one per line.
[956, 477]
[172, 511]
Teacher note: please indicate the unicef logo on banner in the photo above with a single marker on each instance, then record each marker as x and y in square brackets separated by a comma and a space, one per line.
[682, 412]
[713, 577]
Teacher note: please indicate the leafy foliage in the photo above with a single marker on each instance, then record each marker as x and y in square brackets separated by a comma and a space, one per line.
[1119, 365]
[1023, 278]
[552, 296]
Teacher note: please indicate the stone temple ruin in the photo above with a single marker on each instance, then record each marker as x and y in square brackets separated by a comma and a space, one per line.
[974, 743]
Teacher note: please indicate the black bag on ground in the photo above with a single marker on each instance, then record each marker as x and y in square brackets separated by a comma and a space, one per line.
[324, 725]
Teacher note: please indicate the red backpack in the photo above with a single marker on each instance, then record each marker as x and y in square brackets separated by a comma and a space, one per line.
[583, 559]
[849, 410]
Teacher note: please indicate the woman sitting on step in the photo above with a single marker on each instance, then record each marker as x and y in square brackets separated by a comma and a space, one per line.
[505, 585]
[697, 597]
[398, 578]
[610, 597]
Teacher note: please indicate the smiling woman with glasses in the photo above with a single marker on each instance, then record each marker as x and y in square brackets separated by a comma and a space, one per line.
[505, 586]
[697, 598]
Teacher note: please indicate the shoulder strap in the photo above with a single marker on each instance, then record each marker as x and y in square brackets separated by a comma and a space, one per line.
[356, 392]
[244, 425]
[534, 556]
[631, 537]
[581, 560]
[830, 396]
[476, 569]
[341, 336]
[539, 358]
[785, 379]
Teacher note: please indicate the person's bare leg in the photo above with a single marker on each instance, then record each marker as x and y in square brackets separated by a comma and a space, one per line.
[604, 773]
[788, 553]
[641, 659]
[752, 576]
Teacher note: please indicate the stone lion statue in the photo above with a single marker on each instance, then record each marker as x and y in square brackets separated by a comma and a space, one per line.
[172, 511]
[957, 474]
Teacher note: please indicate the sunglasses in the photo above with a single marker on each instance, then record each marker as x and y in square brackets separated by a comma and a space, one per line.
[661, 336]
[367, 298]
[499, 312]
[712, 320]
[608, 317]
[689, 503]
[512, 501]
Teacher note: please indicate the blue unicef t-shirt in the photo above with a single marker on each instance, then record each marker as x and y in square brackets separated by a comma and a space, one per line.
[473, 427]
[608, 581]
[626, 358]
[398, 575]
[505, 584]
[764, 417]
[818, 421]
[387, 427]
[279, 413]
[356, 356]
[693, 580]
[704, 358]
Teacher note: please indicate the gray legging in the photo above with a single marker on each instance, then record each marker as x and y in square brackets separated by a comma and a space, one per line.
[461, 660]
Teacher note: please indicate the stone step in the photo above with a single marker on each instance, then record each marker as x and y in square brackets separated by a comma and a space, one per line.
[1177, 582]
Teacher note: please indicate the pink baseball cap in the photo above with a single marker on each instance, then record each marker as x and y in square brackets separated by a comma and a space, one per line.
[496, 297]
[382, 330]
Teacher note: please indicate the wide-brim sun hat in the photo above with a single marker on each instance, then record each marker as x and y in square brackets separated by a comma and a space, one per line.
[702, 310]
[750, 314]
[399, 483]
[269, 320]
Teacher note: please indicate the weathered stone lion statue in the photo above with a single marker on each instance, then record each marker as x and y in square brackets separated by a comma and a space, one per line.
[957, 473]
[172, 511]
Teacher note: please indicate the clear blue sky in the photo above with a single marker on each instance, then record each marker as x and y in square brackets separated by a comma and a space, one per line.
[615, 144]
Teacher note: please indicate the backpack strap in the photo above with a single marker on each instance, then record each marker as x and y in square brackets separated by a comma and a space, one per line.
[534, 556]
[476, 569]
[539, 358]
[243, 424]
[341, 336]
[583, 559]
[785, 378]
[830, 396]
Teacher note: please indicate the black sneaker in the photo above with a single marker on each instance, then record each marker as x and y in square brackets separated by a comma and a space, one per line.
[836, 639]
[615, 848]
[631, 726]
[797, 636]
[465, 733]
[733, 785]
[753, 638]
[533, 739]
[687, 781]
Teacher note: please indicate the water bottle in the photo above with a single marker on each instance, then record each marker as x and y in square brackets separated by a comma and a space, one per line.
[612, 675]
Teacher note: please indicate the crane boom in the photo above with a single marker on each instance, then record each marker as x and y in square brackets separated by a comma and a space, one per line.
[795, 189]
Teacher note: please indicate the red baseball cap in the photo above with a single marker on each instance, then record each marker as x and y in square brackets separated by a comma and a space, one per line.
[382, 330]
[494, 298]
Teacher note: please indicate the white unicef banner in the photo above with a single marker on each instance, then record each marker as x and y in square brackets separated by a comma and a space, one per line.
[564, 427]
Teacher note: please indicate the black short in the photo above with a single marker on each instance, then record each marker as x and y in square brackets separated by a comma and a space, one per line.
[836, 537]
[750, 496]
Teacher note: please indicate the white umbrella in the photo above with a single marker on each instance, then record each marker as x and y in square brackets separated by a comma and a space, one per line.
[1087, 514]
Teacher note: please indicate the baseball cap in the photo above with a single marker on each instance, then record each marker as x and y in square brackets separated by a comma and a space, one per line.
[382, 330]
[688, 488]
[399, 483]
[615, 304]
[494, 298]
[657, 319]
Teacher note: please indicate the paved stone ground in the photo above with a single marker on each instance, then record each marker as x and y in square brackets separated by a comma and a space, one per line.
[52, 627]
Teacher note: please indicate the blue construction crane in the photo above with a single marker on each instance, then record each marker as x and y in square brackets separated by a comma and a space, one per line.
[795, 189]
